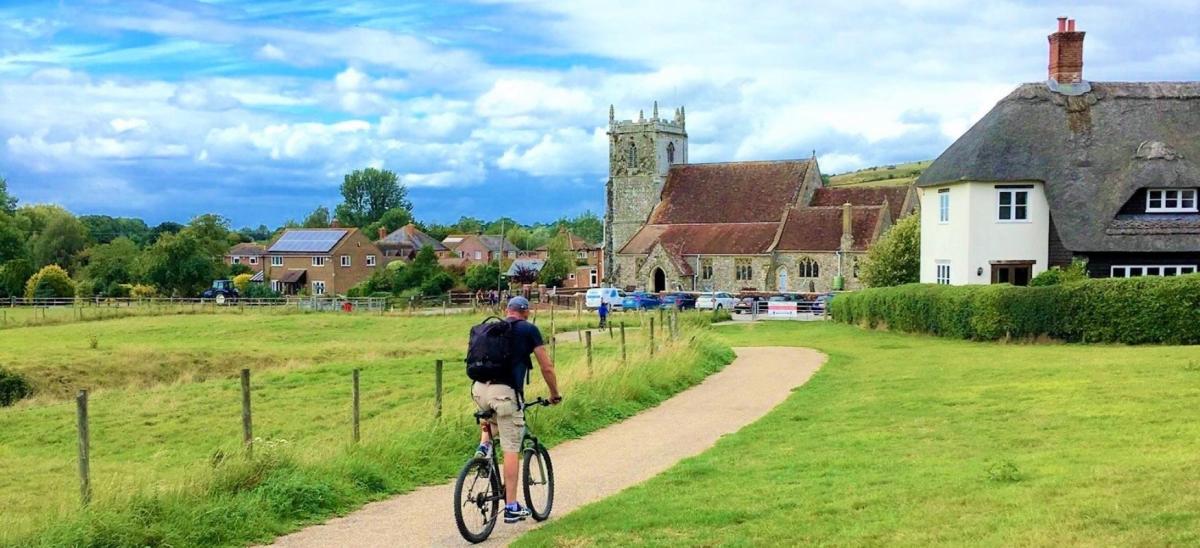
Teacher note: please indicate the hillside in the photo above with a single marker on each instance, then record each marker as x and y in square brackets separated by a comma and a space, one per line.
[889, 175]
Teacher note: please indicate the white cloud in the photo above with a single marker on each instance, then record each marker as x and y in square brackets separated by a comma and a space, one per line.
[122, 125]
[568, 151]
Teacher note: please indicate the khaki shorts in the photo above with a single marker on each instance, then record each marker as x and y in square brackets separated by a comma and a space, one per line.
[509, 418]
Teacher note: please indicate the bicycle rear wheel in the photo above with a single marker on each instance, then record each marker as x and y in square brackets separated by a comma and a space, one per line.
[538, 480]
[477, 500]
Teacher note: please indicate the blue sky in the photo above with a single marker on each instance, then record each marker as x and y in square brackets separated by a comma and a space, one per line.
[254, 110]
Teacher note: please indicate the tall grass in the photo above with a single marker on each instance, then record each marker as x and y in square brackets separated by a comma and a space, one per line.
[230, 498]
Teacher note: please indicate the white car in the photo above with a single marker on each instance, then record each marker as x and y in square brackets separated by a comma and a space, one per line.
[612, 295]
[719, 300]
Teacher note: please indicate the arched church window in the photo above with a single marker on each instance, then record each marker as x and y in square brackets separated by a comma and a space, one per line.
[670, 153]
[808, 268]
[631, 155]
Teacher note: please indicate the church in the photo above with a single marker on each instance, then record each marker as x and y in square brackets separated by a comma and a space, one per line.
[731, 226]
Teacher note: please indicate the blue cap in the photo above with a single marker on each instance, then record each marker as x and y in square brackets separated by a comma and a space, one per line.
[518, 303]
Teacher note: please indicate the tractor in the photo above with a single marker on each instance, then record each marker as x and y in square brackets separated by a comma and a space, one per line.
[221, 292]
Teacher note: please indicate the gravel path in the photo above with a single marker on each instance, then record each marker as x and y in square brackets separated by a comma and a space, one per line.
[595, 466]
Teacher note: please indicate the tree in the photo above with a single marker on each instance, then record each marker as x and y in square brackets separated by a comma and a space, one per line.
[8, 203]
[110, 265]
[62, 239]
[181, 264]
[391, 221]
[13, 276]
[896, 258]
[484, 277]
[369, 193]
[587, 225]
[319, 218]
[523, 274]
[51, 282]
[213, 231]
[12, 239]
[167, 227]
[104, 229]
[559, 263]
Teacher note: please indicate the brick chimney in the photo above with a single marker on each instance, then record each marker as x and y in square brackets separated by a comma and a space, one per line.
[1066, 53]
[847, 226]
[383, 232]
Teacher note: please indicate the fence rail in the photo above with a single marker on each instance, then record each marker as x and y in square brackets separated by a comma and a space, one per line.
[307, 303]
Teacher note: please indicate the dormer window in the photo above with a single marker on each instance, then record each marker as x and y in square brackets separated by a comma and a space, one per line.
[670, 153]
[1162, 200]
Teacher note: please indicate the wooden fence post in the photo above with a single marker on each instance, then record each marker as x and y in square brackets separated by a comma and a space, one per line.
[437, 382]
[85, 479]
[355, 406]
[651, 335]
[247, 429]
[589, 353]
[623, 358]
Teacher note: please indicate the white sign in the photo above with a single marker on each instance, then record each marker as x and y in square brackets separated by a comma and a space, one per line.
[781, 309]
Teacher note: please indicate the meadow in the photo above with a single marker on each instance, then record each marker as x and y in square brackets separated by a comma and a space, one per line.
[911, 440]
[893, 175]
[167, 463]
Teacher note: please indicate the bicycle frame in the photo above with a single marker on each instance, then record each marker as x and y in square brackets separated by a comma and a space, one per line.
[528, 441]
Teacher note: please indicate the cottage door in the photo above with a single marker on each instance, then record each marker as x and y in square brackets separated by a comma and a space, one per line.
[783, 280]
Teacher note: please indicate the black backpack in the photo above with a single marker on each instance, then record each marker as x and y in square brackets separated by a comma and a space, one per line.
[490, 351]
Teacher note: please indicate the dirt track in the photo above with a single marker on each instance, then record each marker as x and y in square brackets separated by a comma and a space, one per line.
[598, 465]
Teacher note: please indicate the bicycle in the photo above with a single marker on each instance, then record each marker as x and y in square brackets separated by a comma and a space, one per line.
[483, 482]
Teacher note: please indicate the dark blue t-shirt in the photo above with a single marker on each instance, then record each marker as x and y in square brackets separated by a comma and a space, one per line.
[526, 337]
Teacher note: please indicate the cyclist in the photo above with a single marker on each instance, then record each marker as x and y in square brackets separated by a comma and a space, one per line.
[504, 399]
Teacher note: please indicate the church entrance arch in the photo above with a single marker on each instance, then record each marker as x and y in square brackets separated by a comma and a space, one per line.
[660, 280]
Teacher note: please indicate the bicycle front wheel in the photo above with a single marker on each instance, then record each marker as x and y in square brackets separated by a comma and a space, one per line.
[538, 480]
[477, 498]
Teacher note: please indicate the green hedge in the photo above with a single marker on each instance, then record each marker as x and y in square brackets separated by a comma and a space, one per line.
[1131, 311]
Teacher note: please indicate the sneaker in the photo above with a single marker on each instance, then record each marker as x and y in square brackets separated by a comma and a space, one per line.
[484, 451]
[515, 512]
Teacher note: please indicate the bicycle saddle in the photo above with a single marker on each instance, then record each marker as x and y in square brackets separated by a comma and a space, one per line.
[484, 415]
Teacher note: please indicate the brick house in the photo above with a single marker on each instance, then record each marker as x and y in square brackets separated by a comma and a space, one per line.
[479, 248]
[765, 226]
[249, 254]
[321, 261]
[588, 257]
[405, 242]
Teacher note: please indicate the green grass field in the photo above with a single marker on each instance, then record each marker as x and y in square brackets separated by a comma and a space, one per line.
[914, 440]
[166, 461]
[893, 175]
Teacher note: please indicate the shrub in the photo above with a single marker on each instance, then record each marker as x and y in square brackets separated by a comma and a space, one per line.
[1131, 311]
[1057, 275]
[13, 388]
[896, 258]
[259, 291]
[241, 282]
[239, 269]
[51, 282]
[437, 284]
[141, 291]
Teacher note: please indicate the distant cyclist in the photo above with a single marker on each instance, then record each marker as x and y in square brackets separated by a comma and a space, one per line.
[504, 396]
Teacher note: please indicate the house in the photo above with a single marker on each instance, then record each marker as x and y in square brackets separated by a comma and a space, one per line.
[767, 226]
[479, 248]
[249, 254]
[405, 242]
[589, 260]
[323, 261]
[1105, 172]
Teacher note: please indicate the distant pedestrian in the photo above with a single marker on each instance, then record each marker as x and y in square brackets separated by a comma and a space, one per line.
[603, 311]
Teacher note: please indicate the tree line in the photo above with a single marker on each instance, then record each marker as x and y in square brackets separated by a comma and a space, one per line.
[47, 251]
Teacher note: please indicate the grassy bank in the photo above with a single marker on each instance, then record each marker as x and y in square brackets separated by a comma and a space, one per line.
[915, 440]
[166, 461]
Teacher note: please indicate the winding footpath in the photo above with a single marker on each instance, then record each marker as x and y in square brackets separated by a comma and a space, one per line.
[595, 466]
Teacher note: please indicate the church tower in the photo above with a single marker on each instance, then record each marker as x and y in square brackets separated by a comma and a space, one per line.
[639, 154]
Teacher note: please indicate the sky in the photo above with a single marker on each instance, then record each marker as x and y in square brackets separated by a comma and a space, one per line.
[255, 110]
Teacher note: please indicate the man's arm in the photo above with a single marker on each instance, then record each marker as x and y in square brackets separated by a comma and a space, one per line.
[547, 367]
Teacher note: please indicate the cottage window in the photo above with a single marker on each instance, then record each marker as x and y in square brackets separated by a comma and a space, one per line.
[670, 153]
[1134, 271]
[1160, 200]
[944, 205]
[943, 272]
[318, 288]
[253, 260]
[808, 268]
[1013, 205]
[706, 269]
[276, 260]
[370, 260]
[744, 271]
[478, 255]
[237, 260]
[582, 255]
[319, 261]
[345, 260]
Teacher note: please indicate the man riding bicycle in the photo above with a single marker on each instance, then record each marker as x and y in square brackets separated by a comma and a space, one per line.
[504, 397]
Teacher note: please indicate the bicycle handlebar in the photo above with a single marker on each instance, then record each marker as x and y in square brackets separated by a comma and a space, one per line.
[540, 401]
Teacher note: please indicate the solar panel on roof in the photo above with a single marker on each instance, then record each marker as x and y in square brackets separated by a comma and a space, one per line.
[301, 241]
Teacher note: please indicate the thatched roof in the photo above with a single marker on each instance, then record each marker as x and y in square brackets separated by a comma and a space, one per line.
[1092, 152]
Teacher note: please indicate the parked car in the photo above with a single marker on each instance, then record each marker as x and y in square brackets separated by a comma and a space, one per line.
[222, 291]
[640, 300]
[612, 294]
[681, 301]
[821, 303]
[719, 300]
[746, 305]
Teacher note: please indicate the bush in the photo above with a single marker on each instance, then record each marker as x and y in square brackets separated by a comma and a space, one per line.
[896, 258]
[141, 291]
[51, 282]
[437, 284]
[13, 388]
[1131, 311]
[241, 282]
[1057, 275]
[259, 291]
[239, 269]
